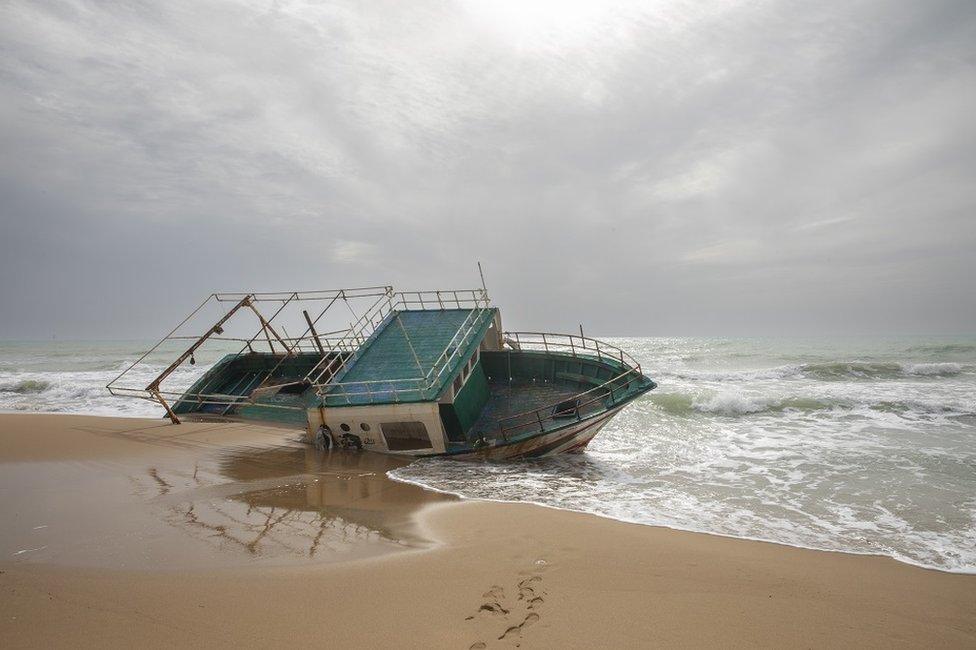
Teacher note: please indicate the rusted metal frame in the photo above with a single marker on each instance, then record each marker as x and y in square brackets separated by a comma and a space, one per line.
[290, 351]
[169, 411]
[154, 385]
[332, 349]
[349, 307]
[136, 393]
[268, 337]
[161, 341]
[361, 292]
[388, 290]
[376, 306]
[268, 327]
[324, 294]
[212, 338]
[206, 398]
[315, 335]
[248, 344]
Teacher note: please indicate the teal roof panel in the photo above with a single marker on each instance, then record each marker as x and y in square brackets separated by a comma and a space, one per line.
[383, 369]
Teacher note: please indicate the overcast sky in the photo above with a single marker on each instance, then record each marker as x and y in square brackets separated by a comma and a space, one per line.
[646, 168]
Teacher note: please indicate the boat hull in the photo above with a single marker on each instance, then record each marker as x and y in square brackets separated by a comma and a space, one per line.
[572, 438]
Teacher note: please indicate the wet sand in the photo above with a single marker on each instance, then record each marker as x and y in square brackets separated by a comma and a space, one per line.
[120, 532]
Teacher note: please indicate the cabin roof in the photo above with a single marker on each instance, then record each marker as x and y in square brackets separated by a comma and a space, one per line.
[382, 369]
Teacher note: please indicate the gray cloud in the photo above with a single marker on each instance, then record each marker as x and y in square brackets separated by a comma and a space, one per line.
[683, 168]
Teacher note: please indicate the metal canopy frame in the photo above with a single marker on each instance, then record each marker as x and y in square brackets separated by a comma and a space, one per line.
[258, 304]
[336, 350]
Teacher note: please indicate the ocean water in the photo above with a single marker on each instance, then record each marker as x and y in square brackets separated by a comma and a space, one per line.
[858, 445]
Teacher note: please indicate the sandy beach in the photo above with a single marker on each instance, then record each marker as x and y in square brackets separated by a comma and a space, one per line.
[120, 532]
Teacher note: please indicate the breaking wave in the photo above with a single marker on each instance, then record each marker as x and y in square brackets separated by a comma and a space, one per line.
[24, 386]
[731, 403]
[933, 369]
[83, 391]
[946, 348]
[827, 371]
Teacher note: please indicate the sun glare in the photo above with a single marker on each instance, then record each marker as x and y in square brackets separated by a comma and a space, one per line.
[540, 24]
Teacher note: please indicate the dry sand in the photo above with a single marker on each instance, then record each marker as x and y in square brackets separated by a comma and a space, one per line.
[132, 532]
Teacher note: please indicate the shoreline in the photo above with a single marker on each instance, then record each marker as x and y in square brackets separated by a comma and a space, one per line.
[139, 521]
[903, 560]
[758, 540]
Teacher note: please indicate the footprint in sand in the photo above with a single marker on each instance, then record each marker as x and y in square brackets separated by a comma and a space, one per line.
[530, 596]
[516, 630]
[495, 596]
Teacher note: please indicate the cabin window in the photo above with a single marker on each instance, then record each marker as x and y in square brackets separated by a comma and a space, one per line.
[403, 436]
[364, 426]
[457, 385]
[344, 427]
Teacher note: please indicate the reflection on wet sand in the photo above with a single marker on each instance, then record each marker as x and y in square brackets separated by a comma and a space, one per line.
[294, 502]
[129, 494]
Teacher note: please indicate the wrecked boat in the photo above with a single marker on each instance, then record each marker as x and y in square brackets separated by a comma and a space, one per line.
[415, 373]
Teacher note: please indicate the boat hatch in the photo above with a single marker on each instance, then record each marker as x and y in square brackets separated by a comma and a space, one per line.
[566, 409]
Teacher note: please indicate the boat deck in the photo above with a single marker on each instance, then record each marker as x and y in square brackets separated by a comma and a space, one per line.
[507, 399]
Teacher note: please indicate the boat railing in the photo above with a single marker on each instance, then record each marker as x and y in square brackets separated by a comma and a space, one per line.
[589, 402]
[573, 344]
[457, 346]
[475, 300]
[361, 393]
[359, 332]
[444, 299]
[332, 363]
